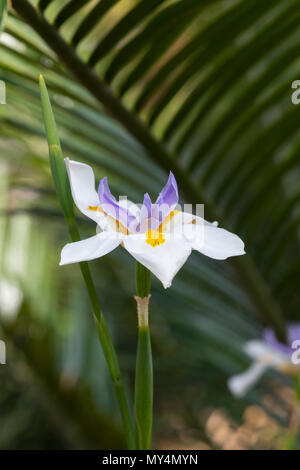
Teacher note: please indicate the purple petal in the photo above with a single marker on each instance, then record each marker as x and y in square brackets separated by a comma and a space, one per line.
[111, 207]
[166, 201]
[155, 214]
[146, 207]
[293, 333]
[145, 213]
[169, 194]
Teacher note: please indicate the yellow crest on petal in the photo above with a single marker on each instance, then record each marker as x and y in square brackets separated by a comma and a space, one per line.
[155, 238]
[164, 225]
[119, 227]
[95, 208]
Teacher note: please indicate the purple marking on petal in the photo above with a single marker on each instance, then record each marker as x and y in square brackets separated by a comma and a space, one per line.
[169, 194]
[155, 214]
[149, 212]
[167, 200]
[111, 207]
[293, 333]
[146, 207]
[148, 217]
[145, 213]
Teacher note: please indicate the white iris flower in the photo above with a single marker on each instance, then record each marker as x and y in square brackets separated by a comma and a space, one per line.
[157, 235]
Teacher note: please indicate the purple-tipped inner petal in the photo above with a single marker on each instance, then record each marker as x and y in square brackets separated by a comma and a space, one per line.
[145, 213]
[109, 204]
[293, 333]
[168, 197]
[146, 208]
[152, 215]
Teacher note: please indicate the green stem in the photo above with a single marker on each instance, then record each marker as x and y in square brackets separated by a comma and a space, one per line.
[144, 370]
[144, 390]
[62, 187]
[143, 280]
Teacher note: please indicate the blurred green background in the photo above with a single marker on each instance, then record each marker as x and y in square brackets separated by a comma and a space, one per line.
[211, 82]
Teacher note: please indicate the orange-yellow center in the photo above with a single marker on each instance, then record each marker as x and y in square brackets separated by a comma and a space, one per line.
[155, 238]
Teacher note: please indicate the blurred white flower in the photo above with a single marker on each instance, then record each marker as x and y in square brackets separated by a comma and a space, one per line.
[11, 298]
[267, 353]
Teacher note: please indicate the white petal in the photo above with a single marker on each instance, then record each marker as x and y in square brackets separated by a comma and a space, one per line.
[213, 241]
[130, 206]
[241, 383]
[82, 182]
[262, 352]
[257, 349]
[90, 248]
[182, 218]
[164, 260]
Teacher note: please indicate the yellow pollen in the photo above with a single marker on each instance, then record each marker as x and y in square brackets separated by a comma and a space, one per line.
[155, 238]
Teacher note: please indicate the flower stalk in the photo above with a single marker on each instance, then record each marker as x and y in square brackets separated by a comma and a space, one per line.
[62, 187]
[144, 369]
